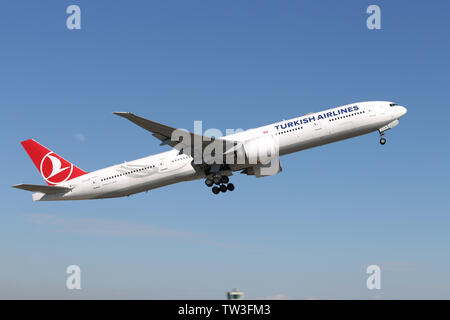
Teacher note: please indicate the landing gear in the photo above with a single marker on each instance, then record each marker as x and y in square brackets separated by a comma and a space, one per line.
[219, 184]
[382, 139]
[223, 188]
[217, 180]
[209, 182]
[215, 190]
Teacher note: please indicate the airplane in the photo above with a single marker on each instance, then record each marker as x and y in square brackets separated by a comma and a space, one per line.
[253, 152]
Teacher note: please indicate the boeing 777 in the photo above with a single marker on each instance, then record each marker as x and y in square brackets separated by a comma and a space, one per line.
[193, 156]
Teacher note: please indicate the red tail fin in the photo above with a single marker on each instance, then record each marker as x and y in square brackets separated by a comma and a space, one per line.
[52, 167]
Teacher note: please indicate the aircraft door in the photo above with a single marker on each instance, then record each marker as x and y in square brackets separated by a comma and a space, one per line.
[162, 165]
[317, 126]
[319, 132]
[372, 110]
[95, 182]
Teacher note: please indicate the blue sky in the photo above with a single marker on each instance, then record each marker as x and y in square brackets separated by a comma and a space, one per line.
[309, 232]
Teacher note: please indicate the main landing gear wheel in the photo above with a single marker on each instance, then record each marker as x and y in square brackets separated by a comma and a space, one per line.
[230, 187]
[215, 190]
[216, 180]
[224, 179]
[223, 188]
[209, 182]
[382, 141]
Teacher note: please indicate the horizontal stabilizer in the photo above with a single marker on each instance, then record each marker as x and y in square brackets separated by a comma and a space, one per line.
[42, 188]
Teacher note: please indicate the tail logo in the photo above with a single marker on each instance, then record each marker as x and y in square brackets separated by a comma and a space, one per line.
[55, 169]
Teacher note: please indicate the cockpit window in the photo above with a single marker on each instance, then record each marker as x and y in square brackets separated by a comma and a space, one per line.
[393, 104]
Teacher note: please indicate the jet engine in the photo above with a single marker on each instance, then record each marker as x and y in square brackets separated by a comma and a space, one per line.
[259, 150]
[262, 154]
[264, 170]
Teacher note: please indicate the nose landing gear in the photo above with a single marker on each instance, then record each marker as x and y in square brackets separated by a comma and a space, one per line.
[221, 184]
[382, 139]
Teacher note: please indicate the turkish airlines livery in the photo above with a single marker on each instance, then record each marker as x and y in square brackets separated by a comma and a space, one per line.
[194, 156]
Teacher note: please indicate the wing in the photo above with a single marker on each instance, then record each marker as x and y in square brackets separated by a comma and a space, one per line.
[178, 139]
[42, 188]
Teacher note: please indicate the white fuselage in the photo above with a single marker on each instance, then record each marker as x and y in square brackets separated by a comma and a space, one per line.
[170, 167]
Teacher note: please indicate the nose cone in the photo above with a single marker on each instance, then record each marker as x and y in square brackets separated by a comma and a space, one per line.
[401, 111]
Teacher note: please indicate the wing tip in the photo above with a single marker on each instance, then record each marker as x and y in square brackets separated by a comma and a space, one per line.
[121, 113]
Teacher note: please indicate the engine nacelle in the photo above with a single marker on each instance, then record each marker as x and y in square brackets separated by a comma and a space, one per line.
[264, 170]
[260, 150]
[262, 153]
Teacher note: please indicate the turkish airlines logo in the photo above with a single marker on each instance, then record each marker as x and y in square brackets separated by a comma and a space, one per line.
[55, 169]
